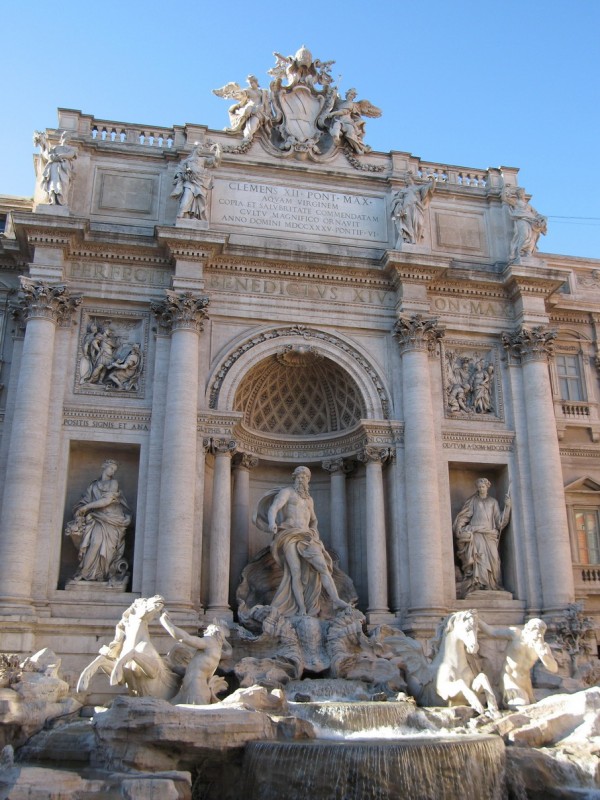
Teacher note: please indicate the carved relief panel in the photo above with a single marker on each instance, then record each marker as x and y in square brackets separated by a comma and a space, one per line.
[111, 351]
[472, 387]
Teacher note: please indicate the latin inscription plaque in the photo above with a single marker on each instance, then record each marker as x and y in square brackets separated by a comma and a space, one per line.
[307, 212]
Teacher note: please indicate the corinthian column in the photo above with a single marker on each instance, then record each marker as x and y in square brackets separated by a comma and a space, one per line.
[45, 306]
[185, 313]
[220, 528]
[240, 518]
[338, 468]
[418, 338]
[375, 531]
[534, 347]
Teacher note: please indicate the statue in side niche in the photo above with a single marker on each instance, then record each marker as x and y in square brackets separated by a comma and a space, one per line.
[408, 209]
[289, 515]
[477, 530]
[528, 224]
[98, 528]
[57, 167]
[193, 181]
[525, 646]
[252, 109]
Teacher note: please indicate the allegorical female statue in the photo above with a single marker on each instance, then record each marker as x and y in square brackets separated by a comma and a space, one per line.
[477, 529]
[98, 528]
[56, 167]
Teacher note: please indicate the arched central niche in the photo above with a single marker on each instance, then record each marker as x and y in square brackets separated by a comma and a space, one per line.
[297, 393]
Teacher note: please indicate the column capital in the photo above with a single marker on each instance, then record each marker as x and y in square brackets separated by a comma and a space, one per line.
[416, 332]
[372, 454]
[336, 466]
[220, 446]
[183, 310]
[46, 301]
[245, 461]
[530, 344]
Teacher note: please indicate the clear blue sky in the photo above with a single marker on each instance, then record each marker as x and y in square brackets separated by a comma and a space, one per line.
[473, 82]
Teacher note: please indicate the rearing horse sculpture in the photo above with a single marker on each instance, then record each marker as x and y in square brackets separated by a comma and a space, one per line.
[131, 659]
[450, 678]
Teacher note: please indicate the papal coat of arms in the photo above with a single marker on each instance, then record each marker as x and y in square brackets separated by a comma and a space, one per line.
[302, 113]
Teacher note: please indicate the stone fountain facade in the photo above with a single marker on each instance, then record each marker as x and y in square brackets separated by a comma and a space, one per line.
[186, 315]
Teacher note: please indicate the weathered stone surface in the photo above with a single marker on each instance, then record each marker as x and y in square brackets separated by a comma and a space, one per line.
[146, 733]
[34, 696]
[42, 783]
[566, 730]
[70, 742]
[257, 698]
[538, 775]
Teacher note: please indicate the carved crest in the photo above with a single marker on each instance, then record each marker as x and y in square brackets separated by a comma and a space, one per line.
[295, 117]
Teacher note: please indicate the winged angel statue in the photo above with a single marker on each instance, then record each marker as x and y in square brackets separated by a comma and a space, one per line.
[301, 113]
[252, 109]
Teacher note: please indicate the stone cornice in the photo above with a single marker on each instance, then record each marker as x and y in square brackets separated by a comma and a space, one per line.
[469, 288]
[190, 244]
[402, 266]
[301, 271]
[574, 316]
[222, 424]
[477, 440]
[580, 452]
[520, 280]
[379, 434]
[47, 230]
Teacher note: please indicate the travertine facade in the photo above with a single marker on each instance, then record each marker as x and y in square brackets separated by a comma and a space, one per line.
[212, 309]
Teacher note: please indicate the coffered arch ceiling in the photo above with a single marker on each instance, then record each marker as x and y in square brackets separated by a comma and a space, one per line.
[299, 392]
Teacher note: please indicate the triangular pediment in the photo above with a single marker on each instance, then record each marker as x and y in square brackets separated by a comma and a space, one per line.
[584, 484]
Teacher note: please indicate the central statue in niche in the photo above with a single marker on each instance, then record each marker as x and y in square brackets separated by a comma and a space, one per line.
[289, 514]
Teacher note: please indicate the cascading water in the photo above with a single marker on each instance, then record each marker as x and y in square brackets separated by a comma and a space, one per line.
[350, 760]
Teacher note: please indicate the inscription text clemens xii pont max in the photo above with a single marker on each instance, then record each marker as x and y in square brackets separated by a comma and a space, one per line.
[297, 210]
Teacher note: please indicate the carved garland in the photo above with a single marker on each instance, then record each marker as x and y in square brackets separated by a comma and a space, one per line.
[305, 333]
